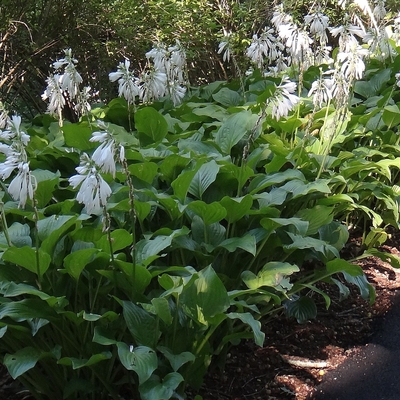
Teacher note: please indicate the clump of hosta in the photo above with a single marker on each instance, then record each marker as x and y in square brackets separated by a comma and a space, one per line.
[22, 187]
[63, 87]
[165, 75]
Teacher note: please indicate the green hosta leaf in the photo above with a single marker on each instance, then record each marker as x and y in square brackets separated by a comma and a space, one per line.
[273, 274]
[153, 389]
[139, 276]
[141, 324]
[182, 183]
[120, 238]
[227, 97]
[21, 361]
[27, 309]
[317, 217]
[321, 292]
[162, 310]
[203, 178]
[339, 265]
[172, 166]
[234, 129]
[344, 291]
[145, 171]
[206, 297]
[390, 258]
[391, 115]
[46, 182]
[151, 123]
[52, 229]
[213, 111]
[261, 182]
[26, 257]
[236, 208]
[212, 234]
[248, 319]
[335, 234]
[303, 309]
[75, 262]
[142, 360]
[19, 235]
[147, 249]
[246, 243]
[361, 281]
[77, 363]
[77, 135]
[176, 360]
[270, 224]
[300, 242]
[374, 85]
[209, 213]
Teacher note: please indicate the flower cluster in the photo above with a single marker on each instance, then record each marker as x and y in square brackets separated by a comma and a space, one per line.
[284, 100]
[94, 190]
[63, 87]
[22, 187]
[165, 76]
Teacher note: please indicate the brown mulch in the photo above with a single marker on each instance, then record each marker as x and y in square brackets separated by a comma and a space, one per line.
[295, 357]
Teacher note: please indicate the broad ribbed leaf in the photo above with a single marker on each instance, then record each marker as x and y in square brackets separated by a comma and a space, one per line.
[246, 243]
[153, 389]
[21, 361]
[227, 97]
[302, 308]
[77, 363]
[75, 262]
[120, 240]
[142, 360]
[317, 217]
[151, 123]
[248, 319]
[26, 258]
[234, 129]
[141, 324]
[19, 235]
[147, 249]
[209, 213]
[273, 274]
[203, 178]
[236, 207]
[177, 360]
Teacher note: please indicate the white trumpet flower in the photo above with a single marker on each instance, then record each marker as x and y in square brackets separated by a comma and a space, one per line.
[94, 190]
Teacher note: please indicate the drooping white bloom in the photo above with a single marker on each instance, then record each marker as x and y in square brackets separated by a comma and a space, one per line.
[318, 23]
[397, 76]
[83, 106]
[321, 90]
[266, 46]
[284, 100]
[128, 83]
[94, 190]
[13, 131]
[177, 92]
[379, 10]
[224, 46]
[106, 154]
[70, 79]
[379, 44]
[280, 18]
[352, 64]
[159, 54]
[54, 93]
[154, 85]
[21, 187]
[322, 55]
[347, 36]
[298, 44]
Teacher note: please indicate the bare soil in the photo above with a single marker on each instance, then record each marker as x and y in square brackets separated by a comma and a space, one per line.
[295, 357]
